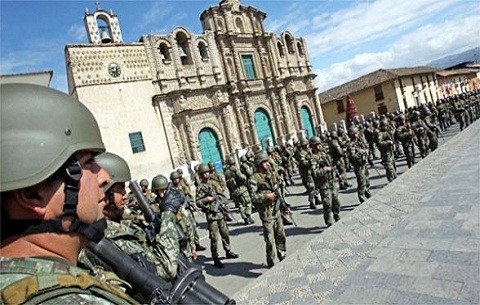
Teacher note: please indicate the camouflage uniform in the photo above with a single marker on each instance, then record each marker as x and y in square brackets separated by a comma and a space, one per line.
[237, 186]
[273, 230]
[406, 136]
[132, 240]
[385, 144]
[325, 182]
[215, 217]
[50, 280]
[358, 154]
[338, 155]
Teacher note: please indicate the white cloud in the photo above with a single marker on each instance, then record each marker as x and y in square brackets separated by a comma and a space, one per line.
[429, 42]
[78, 32]
[367, 21]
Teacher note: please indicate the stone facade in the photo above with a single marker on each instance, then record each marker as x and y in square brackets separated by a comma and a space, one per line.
[172, 87]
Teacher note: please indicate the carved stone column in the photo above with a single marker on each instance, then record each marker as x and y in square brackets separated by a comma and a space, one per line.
[285, 111]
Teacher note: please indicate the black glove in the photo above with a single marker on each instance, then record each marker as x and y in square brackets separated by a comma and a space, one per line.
[172, 201]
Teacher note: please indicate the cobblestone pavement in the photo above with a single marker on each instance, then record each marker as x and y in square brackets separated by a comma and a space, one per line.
[416, 241]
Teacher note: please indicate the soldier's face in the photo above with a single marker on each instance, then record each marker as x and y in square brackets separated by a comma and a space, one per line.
[161, 193]
[265, 165]
[120, 196]
[206, 175]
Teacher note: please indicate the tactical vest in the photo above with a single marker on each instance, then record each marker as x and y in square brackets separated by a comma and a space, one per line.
[39, 280]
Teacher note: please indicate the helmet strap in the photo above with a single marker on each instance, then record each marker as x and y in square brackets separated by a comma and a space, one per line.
[93, 232]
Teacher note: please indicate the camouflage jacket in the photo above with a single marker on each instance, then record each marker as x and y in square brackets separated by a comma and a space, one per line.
[236, 181]
[48, 280]
[323, 178]
[261, 184]
[210, 188]
[132, 240]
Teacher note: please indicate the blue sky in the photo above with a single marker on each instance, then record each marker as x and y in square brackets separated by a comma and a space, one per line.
[345, 39]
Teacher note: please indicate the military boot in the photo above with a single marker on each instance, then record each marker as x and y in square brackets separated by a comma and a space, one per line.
[230, 254]
[312, 206]
[250, 220]
[281, 255]
[199, 247]
[217, 263]
[286, 222]
[336, 217]
[368, 194]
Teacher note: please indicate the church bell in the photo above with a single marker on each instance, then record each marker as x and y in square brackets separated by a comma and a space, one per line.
[182, 53]
[105, 37]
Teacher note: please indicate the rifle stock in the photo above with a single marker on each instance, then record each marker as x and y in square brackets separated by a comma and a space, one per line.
[190, 288]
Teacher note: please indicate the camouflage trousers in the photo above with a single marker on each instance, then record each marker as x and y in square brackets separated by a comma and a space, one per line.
[409, 151]
[342, 172]
[331, 205]
[244, 204]
[422, 143]
[363, 182]
[274, 236]
[390, 169]
[216, 227]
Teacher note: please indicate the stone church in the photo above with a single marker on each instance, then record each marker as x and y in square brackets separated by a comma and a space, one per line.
[170, 99]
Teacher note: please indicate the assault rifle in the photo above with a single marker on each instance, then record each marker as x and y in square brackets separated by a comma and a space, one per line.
[147, 288]
[220, 206]
[281, 204]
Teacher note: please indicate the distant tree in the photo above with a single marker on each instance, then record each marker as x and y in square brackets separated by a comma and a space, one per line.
[351, 112]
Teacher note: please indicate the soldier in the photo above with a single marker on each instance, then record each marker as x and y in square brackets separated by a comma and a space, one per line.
[406, 136]
[185, 216]
[262, 186]
[385, 144]
[304, 167]
[208, 199]
[420, 130]
[323, 175]
[51, 198]
[316, 154]
[237, 186]
[247, 167]
[338, 156]
[358, 153]
[159, 255]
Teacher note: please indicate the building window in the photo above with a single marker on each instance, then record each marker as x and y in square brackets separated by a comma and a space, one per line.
[202, 49]
[340, 106]
[280, 49]
[382, 109]
[378, 93]
[249, 67]
[136, 141]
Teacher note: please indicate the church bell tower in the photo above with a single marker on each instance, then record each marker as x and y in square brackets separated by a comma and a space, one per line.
[102, 26]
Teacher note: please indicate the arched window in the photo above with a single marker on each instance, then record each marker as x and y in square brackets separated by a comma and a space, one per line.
[289, 42]
[164, 51]
[202, 49]
[280, 49]
[300, 49]
[239, 25]
[184, 48]
[220, 24]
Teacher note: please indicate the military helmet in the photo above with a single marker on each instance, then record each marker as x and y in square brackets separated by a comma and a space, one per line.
[303, 142]
[203, 168]
[250, 154]
[115, 166]
[333, 134]
[35, 143]
[315, 140]
[352, 132]
[243, 158]
[260, 157]
[180, 171]
[159, 182]
[383, 123]
[231, 160]
[270, 149]
[175, 175]
[144, 182]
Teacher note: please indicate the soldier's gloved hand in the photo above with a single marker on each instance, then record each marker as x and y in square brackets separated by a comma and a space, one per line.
[172, 201]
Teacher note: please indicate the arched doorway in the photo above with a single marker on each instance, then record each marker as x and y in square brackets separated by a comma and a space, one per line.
[263, 128]
[209, 148]
[307, 121]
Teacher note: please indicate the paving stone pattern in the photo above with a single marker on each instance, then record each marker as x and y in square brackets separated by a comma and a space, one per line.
[416, 241]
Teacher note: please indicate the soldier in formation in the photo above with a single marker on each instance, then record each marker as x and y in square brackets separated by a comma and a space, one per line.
[210, 198]
[358, 156]
[263, 185]
[237, 184]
